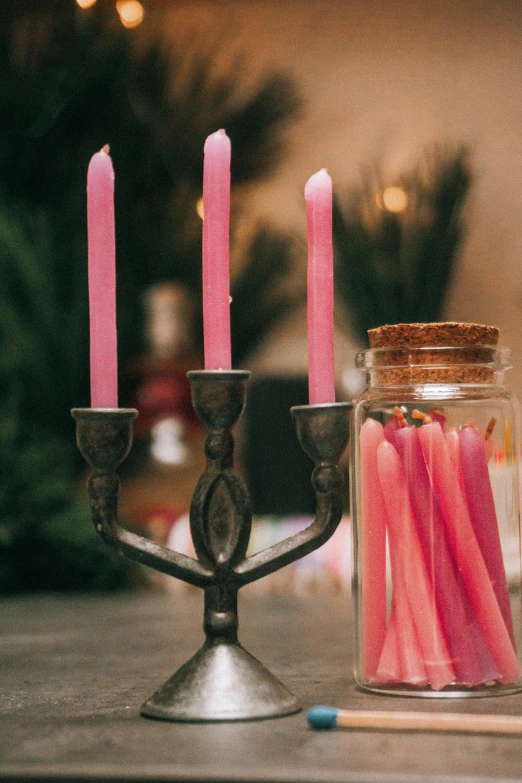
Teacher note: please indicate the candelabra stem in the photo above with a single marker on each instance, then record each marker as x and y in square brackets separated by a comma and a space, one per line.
[220, 621]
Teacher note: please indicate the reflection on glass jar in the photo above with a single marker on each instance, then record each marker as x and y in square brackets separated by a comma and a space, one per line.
[436, 514]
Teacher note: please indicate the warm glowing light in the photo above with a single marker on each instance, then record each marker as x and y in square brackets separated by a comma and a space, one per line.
[393, 199]
[131, 12]
[199, 208]
[85, 3]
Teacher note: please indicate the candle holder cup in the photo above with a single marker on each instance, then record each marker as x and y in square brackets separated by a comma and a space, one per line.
[222, 681]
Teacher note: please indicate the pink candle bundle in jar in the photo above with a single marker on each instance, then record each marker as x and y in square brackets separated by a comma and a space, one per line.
[436, 515]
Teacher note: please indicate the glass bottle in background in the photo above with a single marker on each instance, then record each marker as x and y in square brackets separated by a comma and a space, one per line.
[168, 451]
[436, 514]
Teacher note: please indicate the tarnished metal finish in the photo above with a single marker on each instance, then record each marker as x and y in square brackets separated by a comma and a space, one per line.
[323, 432]
[222, 681]
[104, 437]
[220, 516]
[218, 396]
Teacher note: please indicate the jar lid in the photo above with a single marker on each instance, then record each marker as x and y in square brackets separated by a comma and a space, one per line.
[457, 353]
[450, 333]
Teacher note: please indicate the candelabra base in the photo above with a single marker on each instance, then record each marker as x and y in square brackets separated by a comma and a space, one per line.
[221, 682]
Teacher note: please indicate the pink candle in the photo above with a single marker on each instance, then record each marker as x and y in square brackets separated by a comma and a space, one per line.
[435, 414]
[390, 429]
[466, 552]
[408, 654]
[216, 284]
[471, 658]
[321, 379]
[413, 670]
[452, 439]
[410, 572]
[479, 496]
[389, 668]
[102, 281]
[373, 549]
[401, 657]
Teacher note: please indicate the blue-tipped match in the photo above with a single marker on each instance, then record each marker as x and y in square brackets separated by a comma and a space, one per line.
[322, 717]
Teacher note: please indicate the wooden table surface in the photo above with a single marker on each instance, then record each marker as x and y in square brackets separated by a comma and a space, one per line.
[75, 669]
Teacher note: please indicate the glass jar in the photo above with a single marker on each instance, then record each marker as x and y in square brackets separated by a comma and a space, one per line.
[435, 494]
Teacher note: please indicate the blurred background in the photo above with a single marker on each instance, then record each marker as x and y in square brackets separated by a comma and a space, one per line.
[414, 109]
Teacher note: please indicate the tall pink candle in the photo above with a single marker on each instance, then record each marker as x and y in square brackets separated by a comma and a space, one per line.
[321, 378]
[216, 242]
[102, 281]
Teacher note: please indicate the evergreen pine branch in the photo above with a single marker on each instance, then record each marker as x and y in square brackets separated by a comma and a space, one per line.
[259, 296]
[29, 279]
[396, 267]
[35, 354]
[47, 540]
[357, 280]
[451, 176]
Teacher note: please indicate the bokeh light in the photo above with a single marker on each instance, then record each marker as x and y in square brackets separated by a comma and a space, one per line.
[131, 12]
[392, 199]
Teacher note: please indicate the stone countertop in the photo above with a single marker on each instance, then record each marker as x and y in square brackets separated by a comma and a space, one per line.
[75, 669]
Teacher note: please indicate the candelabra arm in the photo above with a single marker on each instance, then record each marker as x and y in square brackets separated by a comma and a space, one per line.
[328, 516]
[104, 437]
[323, 433]
[103, 491]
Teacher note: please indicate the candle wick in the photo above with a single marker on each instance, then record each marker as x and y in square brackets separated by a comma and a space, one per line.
[420, 415]
[490, 428]
[399, 415]
[106, 149]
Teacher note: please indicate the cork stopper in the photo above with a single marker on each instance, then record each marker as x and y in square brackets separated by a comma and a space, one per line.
[404, 352]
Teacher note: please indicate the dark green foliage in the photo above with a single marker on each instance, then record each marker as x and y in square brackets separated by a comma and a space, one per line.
[396, 267]
[47, 540]
[65, 92]
[46, 537]
[43, 331]
[259, 296]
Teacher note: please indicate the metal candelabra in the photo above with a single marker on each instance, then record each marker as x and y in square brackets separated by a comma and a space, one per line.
[222, 681]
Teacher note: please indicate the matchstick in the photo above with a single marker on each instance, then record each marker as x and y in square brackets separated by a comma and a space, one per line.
[329, 717]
